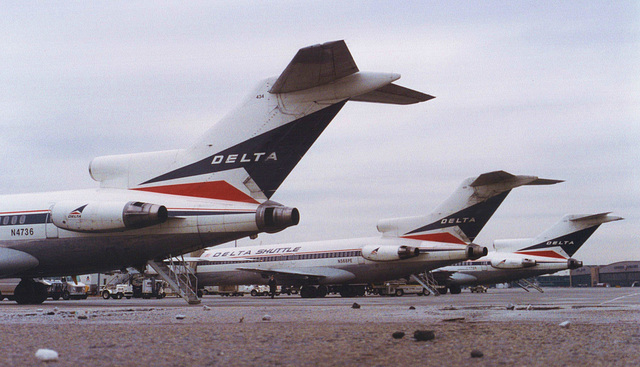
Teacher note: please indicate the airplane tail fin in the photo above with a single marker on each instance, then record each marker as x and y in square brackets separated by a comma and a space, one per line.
[564, 238]
[247, 155]
[460, 218]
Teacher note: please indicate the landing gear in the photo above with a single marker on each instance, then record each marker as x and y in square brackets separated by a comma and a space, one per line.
[310, 291]
[30, 292]
[455, 289]
[352, 291]
[442, 290]
[321, 291]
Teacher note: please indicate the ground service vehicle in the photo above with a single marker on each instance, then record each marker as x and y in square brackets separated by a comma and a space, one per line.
[399, 289]
[117, 292]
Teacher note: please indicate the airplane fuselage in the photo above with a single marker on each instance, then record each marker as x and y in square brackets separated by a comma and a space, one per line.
[326, 262]
[26, 226]
[481, 271]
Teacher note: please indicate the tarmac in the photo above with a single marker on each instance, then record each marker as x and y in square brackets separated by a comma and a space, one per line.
[560, 327]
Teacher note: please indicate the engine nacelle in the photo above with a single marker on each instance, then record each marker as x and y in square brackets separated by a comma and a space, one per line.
[573, 263]
[512, 263]
[475, 251]
[389, 253]
[272, 217]
[106, 216]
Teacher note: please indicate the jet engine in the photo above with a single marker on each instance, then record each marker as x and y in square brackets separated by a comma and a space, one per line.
[513, 263]
[106, 216]
[475, 251]
[389, 253]
[573, 263]
[272, 217]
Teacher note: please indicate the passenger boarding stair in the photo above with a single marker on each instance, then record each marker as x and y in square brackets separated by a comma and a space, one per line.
[179, 275]
[117, 278]
[427, 281]
[523, 283]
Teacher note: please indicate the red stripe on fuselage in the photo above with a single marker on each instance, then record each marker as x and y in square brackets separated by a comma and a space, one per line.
[437, 237]
[547, 253]
[220, 190]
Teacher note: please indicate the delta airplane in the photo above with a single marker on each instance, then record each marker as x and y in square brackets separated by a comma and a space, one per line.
[549, 252]
[408, 246]
[150, 206]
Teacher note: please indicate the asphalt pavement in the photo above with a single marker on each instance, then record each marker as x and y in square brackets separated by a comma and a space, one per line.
[562, 326]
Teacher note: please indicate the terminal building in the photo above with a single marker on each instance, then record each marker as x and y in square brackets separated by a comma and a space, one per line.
[620, 274]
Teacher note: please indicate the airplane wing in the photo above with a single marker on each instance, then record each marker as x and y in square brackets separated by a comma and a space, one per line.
[311, 274]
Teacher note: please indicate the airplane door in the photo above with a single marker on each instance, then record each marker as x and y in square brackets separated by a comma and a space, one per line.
[50, 228]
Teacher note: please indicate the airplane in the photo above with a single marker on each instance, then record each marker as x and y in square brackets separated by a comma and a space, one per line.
[408, 246]
[154, 205]
[549, 252]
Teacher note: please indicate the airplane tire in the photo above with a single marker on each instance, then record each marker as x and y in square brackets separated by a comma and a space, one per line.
[455, 289]
[308, 291]
[348, 291]
[40, 293]
[442, 290]
[30, 292]
[321, 291]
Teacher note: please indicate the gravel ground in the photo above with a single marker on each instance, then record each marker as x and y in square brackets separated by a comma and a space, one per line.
[331, 335]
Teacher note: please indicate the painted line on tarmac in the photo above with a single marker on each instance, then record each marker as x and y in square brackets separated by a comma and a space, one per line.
[621, 297]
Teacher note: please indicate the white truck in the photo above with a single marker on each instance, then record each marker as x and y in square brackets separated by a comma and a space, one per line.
[67, 288]
[117, 291]
[398, 289]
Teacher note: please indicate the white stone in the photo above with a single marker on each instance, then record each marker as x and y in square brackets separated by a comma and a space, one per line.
[47, 355]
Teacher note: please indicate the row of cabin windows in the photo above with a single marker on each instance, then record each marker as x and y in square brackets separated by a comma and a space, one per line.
[467, 263]
[12, 219]
[323, 255]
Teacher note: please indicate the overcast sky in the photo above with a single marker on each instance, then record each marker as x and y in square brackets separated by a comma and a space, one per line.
[550, 89]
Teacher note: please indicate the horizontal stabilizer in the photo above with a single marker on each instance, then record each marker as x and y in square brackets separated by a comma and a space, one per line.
[492, 178]
[544, 181]
[393, 94]
[601, 218]
[314, 66]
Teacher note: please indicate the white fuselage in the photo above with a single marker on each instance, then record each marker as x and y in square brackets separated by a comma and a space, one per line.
[25, 225]
[500, 267]
[325, 262]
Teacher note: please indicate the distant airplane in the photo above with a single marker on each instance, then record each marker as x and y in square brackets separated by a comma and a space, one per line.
[154, 205]
[549, 252]
[408, 246]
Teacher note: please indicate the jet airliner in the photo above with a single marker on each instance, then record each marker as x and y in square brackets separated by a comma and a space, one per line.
[408, 246]
[518, 259]
[150, 206]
